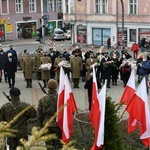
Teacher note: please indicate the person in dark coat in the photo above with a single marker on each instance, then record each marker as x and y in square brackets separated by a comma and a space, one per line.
[2, 64]
[139, 61]
[108, 43]
[13, 52]
[52, 56]
[66, 56]
[11, 69]
[107, 69]
[115, 69]
[88, 86]
[125, 69]
[10, 110]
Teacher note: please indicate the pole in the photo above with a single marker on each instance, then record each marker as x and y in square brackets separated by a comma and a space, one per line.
[122, 5]
[43, 39]
[117, 23]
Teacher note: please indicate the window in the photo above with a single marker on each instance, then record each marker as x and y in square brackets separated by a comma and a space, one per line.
[133, 7]
[58, 5]
[132, 35]
[101, 6]
[66, 7]
[50, 5]
[54, 5]
[4, 7]
[19, 6]
[32, 5]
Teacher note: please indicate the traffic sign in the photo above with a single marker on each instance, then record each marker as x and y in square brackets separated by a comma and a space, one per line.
[44, 17]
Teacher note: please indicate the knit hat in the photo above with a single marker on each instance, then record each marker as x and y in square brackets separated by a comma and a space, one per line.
[14, 91]
[52, 84]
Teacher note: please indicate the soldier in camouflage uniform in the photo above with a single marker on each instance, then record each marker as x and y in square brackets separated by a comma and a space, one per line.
[10, 110]
[47, 107]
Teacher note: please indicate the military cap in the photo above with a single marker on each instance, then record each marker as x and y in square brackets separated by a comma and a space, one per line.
[15, 91]
[11, 45]
[25, 51]
[52, 84]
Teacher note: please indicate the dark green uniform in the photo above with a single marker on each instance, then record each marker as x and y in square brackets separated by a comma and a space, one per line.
[9, 111]
[47, 107]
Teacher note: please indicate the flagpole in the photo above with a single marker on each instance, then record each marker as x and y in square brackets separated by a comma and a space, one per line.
[81, 129]
[125, 109]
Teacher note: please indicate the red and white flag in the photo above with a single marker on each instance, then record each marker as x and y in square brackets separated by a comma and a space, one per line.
[60, 100]
[139, 110]
[65, 117]
[129, 90]
[97, 113]
[68, 111]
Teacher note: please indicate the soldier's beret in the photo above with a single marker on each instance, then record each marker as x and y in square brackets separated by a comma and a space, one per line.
[15, 91]
[52, 84]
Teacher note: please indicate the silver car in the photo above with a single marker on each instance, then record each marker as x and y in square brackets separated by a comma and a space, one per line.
[58, 35]
[68, 34]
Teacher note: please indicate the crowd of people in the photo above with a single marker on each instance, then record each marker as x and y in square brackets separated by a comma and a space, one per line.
[110, 64]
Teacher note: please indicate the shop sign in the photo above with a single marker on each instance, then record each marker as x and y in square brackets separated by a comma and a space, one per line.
[9, 27]
[27, 18]
[2, 21]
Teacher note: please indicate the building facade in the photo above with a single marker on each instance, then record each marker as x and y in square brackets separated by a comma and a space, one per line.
[19, 19]
[93, 21]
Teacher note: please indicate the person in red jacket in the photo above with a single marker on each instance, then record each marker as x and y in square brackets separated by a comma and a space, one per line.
[135, 49]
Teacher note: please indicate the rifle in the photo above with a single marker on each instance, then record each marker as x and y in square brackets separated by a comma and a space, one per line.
[7, 96]
[44, 91]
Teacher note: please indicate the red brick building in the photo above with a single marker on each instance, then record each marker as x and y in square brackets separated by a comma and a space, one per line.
[21, 18]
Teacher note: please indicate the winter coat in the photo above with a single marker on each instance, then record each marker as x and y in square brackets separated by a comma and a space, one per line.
[56, 62]
[144, 69]
[2, 60]
[45, 73]
[134, 47]
[37, 60]
[10, 68]
[76, 67]
[88, 64]
[28, 67]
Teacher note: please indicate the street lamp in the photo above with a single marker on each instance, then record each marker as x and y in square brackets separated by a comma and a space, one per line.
[122, 5]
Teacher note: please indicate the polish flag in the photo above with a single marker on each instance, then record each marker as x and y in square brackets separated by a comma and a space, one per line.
[129, 90]
[97, 113]
[68, 112]
[60, 100]
[139, 110]
[65, 117]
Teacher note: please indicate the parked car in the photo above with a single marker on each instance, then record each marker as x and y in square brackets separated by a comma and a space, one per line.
[58, 34]
[68, 34]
